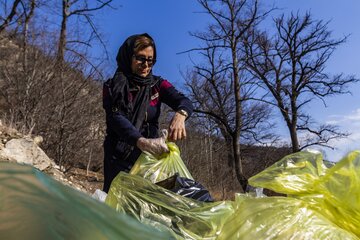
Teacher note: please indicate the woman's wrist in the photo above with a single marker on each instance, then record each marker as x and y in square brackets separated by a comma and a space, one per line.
[183, 113]
[140, 142]
[180, 116]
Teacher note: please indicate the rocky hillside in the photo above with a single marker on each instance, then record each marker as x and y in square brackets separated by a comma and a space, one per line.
[15, 147]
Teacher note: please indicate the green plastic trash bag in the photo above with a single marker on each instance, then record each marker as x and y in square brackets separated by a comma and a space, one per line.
[333, 192]
[283, 218]
[34, 206]
[162, 167]
[165, 210]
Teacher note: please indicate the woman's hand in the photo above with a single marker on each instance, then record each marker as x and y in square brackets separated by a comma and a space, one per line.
[154, 146]
[177, 127]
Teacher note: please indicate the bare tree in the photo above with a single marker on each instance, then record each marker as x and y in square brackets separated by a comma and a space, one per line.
[219, 87]
[73, 118]
[7, 18]
[20, 13]
[41, 95]
[77, 32]
[291, 69]
[63, 108]
[82, 9]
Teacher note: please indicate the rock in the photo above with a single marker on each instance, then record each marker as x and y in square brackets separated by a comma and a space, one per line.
[26, 151]
[15, 147]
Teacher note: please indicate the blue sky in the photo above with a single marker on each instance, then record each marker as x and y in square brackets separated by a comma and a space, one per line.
[170, 21]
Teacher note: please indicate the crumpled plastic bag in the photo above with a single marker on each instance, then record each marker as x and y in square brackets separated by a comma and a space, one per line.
[294, 174]
[157, 169]
[35, 206]
[151, 204]
[169, 169]
[332, 192]
[279, 218]
[246, 218]
[322, 203]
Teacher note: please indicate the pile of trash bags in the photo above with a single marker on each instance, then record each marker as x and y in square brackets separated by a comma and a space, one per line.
[159, 199]
[320, 202]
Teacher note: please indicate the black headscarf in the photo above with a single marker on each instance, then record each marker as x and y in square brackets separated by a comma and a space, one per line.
[125, 81]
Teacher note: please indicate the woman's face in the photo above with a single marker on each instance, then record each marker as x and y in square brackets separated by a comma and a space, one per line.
[142, 61]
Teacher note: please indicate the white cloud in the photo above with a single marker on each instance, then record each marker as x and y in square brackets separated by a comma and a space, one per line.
[352, 118]
[351, 124]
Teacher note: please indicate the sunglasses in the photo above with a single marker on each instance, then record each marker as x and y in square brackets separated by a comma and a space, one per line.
[143, 59]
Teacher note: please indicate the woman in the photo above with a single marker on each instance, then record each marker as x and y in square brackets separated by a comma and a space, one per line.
[132, 101]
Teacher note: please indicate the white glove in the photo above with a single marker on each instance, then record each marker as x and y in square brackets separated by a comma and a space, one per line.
[154, 146]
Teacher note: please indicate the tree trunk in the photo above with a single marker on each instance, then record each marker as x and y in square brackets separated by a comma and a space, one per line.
[238, 166]
[294, 138]
[62, 37]
[236, 136]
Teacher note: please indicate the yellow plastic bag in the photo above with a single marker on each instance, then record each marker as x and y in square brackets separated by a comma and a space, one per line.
[161, 168]
[246, 218]
[294, 174]
[322, 204]
[333, 192]
[136, 194]
[165, 210]
[279, 218]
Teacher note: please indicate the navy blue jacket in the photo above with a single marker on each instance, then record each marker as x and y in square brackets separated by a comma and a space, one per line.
[120, 132]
